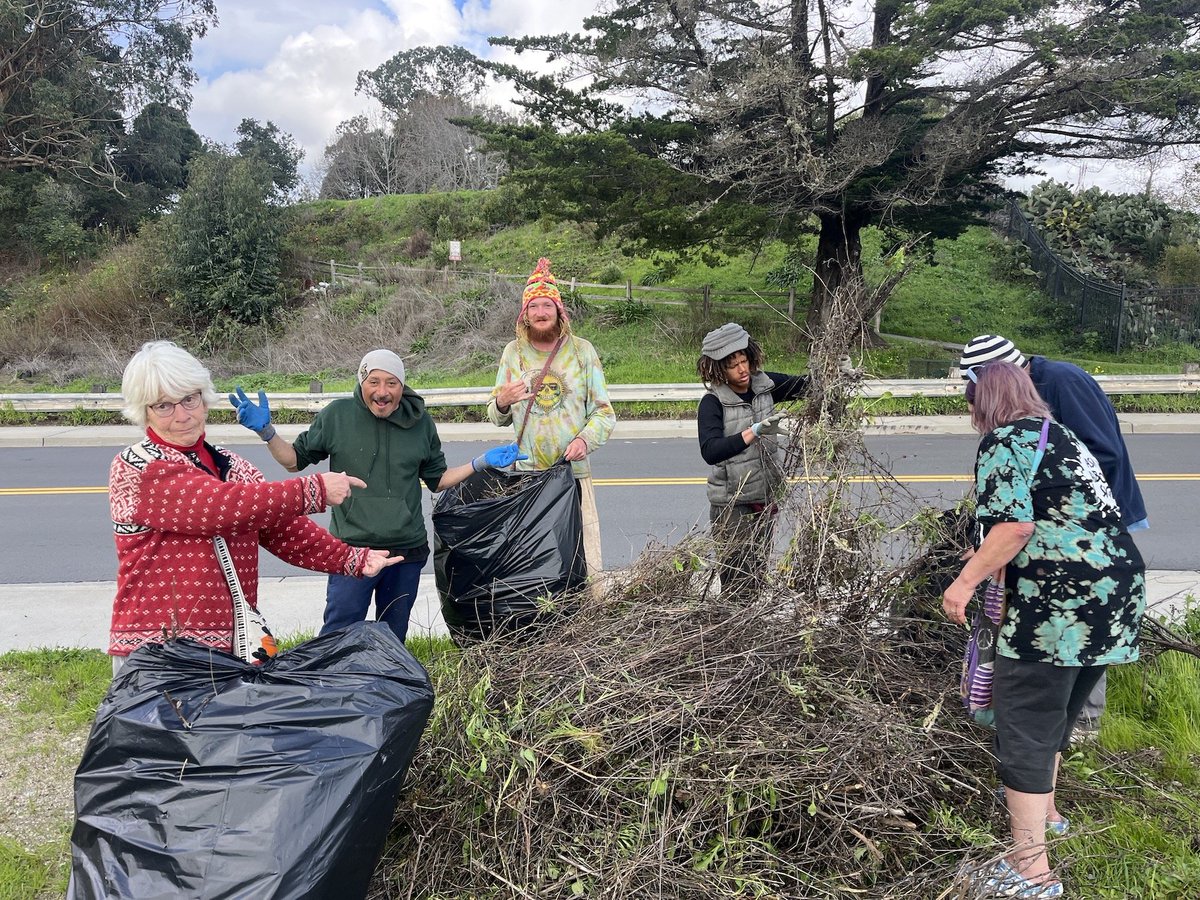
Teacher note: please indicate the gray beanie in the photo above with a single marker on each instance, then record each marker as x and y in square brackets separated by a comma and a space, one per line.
[381, 359]
[989, 348]
[729, 338]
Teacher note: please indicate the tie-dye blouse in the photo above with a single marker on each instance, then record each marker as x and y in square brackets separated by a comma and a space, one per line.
[1076, 590]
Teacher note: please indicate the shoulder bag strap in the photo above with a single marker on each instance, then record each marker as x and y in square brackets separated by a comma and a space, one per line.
[537, 386]
[1041, 449]
[241, 607]
[252, 639]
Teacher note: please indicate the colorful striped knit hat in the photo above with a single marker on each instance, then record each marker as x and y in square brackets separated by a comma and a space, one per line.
[989, 348]
[542, 284]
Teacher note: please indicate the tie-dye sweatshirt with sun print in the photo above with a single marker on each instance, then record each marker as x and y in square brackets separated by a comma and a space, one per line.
[572, 402]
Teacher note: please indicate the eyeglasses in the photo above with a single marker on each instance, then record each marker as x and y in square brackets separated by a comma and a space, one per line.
[166, 407]
[974, 372]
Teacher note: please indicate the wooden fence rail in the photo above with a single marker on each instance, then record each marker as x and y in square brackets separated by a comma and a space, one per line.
[644, 393]
[705, 296]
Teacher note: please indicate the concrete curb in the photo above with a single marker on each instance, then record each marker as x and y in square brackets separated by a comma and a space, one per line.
[78, 615]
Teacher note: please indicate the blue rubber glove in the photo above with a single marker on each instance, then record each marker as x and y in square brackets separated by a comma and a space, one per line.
[498, 458]
[256, 418]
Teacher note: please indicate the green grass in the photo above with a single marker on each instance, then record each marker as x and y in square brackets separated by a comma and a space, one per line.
[1157, 705]
[59, 686]
[28, 874]
[1125, 851]
[957, 288]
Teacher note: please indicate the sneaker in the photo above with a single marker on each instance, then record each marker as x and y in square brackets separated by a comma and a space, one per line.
[1002, 880]
[1085, 730]
[1059, 828]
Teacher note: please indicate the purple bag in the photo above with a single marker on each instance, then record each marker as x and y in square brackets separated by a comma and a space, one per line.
[979, 663]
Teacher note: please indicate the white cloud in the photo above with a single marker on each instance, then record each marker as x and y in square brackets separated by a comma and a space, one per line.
[296, 63]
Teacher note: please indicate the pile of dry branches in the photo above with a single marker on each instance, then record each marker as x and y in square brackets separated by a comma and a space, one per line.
[668, 741]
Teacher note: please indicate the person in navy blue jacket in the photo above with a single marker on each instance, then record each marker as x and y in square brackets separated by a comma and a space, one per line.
[1077, 401]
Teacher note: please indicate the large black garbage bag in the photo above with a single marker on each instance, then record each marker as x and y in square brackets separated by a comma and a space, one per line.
[207, 777]
[501, 541]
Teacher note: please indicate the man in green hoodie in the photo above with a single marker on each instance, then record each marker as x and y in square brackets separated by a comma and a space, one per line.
[384, 436]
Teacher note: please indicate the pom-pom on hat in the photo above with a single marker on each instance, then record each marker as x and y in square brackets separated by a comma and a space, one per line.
[385, 360]
[729, 338]
[988, 348]
[542, 284]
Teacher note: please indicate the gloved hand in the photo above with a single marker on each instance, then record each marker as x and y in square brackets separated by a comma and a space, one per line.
[846, 367]
[256, 418]
[773, 424]
[498, 458]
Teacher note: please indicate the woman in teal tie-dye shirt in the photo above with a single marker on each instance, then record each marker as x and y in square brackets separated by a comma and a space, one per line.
[1075, 593]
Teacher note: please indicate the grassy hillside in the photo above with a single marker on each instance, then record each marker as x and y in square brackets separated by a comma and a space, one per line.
[72, 330]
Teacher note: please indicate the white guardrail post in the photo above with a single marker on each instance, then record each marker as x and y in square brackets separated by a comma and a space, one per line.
[644, 393]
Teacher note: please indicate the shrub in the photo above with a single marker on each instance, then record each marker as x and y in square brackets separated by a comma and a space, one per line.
[1180, 265]
[610, 274]
[418, 245]
[227, 241]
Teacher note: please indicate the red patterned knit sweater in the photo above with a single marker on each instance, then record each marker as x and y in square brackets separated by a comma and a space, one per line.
[166, 511]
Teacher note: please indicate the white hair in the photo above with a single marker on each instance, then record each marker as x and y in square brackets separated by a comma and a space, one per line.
[162, 370]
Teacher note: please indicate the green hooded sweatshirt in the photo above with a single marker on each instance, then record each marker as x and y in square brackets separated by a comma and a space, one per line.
[391, 455]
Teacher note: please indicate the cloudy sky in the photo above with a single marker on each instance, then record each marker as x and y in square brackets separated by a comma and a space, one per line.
[294, 62]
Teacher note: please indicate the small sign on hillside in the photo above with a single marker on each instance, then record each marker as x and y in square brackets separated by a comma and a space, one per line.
[456, 251]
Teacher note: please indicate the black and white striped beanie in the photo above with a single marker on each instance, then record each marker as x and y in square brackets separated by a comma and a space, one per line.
[989, 348]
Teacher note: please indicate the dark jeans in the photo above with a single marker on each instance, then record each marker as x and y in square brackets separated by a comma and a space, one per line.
[744, 535]
[395, 590]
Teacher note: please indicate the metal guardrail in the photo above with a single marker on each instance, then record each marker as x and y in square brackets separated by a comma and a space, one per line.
[643, 393]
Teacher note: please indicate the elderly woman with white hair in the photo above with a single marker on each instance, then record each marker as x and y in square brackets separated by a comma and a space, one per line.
[189, 518]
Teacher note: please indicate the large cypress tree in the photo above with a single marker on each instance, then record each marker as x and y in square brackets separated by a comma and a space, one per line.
[679, 123]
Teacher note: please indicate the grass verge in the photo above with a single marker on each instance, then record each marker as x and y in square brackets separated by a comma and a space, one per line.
[1133, 819]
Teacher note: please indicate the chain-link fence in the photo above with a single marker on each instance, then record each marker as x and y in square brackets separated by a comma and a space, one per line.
[1118, 315]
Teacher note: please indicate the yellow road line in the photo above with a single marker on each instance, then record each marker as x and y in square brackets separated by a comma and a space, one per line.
[652, 482]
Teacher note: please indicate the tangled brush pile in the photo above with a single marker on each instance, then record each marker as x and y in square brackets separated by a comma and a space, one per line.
[667, 741]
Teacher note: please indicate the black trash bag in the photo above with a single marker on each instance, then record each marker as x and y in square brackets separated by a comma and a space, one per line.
[501, 541]
[207, 777]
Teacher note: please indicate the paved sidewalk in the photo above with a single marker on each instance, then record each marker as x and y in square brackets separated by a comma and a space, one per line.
[627, 429]
[77, 615]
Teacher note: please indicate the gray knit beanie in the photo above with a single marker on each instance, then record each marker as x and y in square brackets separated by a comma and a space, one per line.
[385, 360]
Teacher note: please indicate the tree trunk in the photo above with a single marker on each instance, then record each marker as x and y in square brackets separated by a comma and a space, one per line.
[839, 261]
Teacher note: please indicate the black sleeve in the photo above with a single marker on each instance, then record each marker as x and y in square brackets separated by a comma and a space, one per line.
[788, 387]
[710, 422]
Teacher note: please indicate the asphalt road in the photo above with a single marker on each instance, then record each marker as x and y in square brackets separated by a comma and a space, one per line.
[56, 526]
